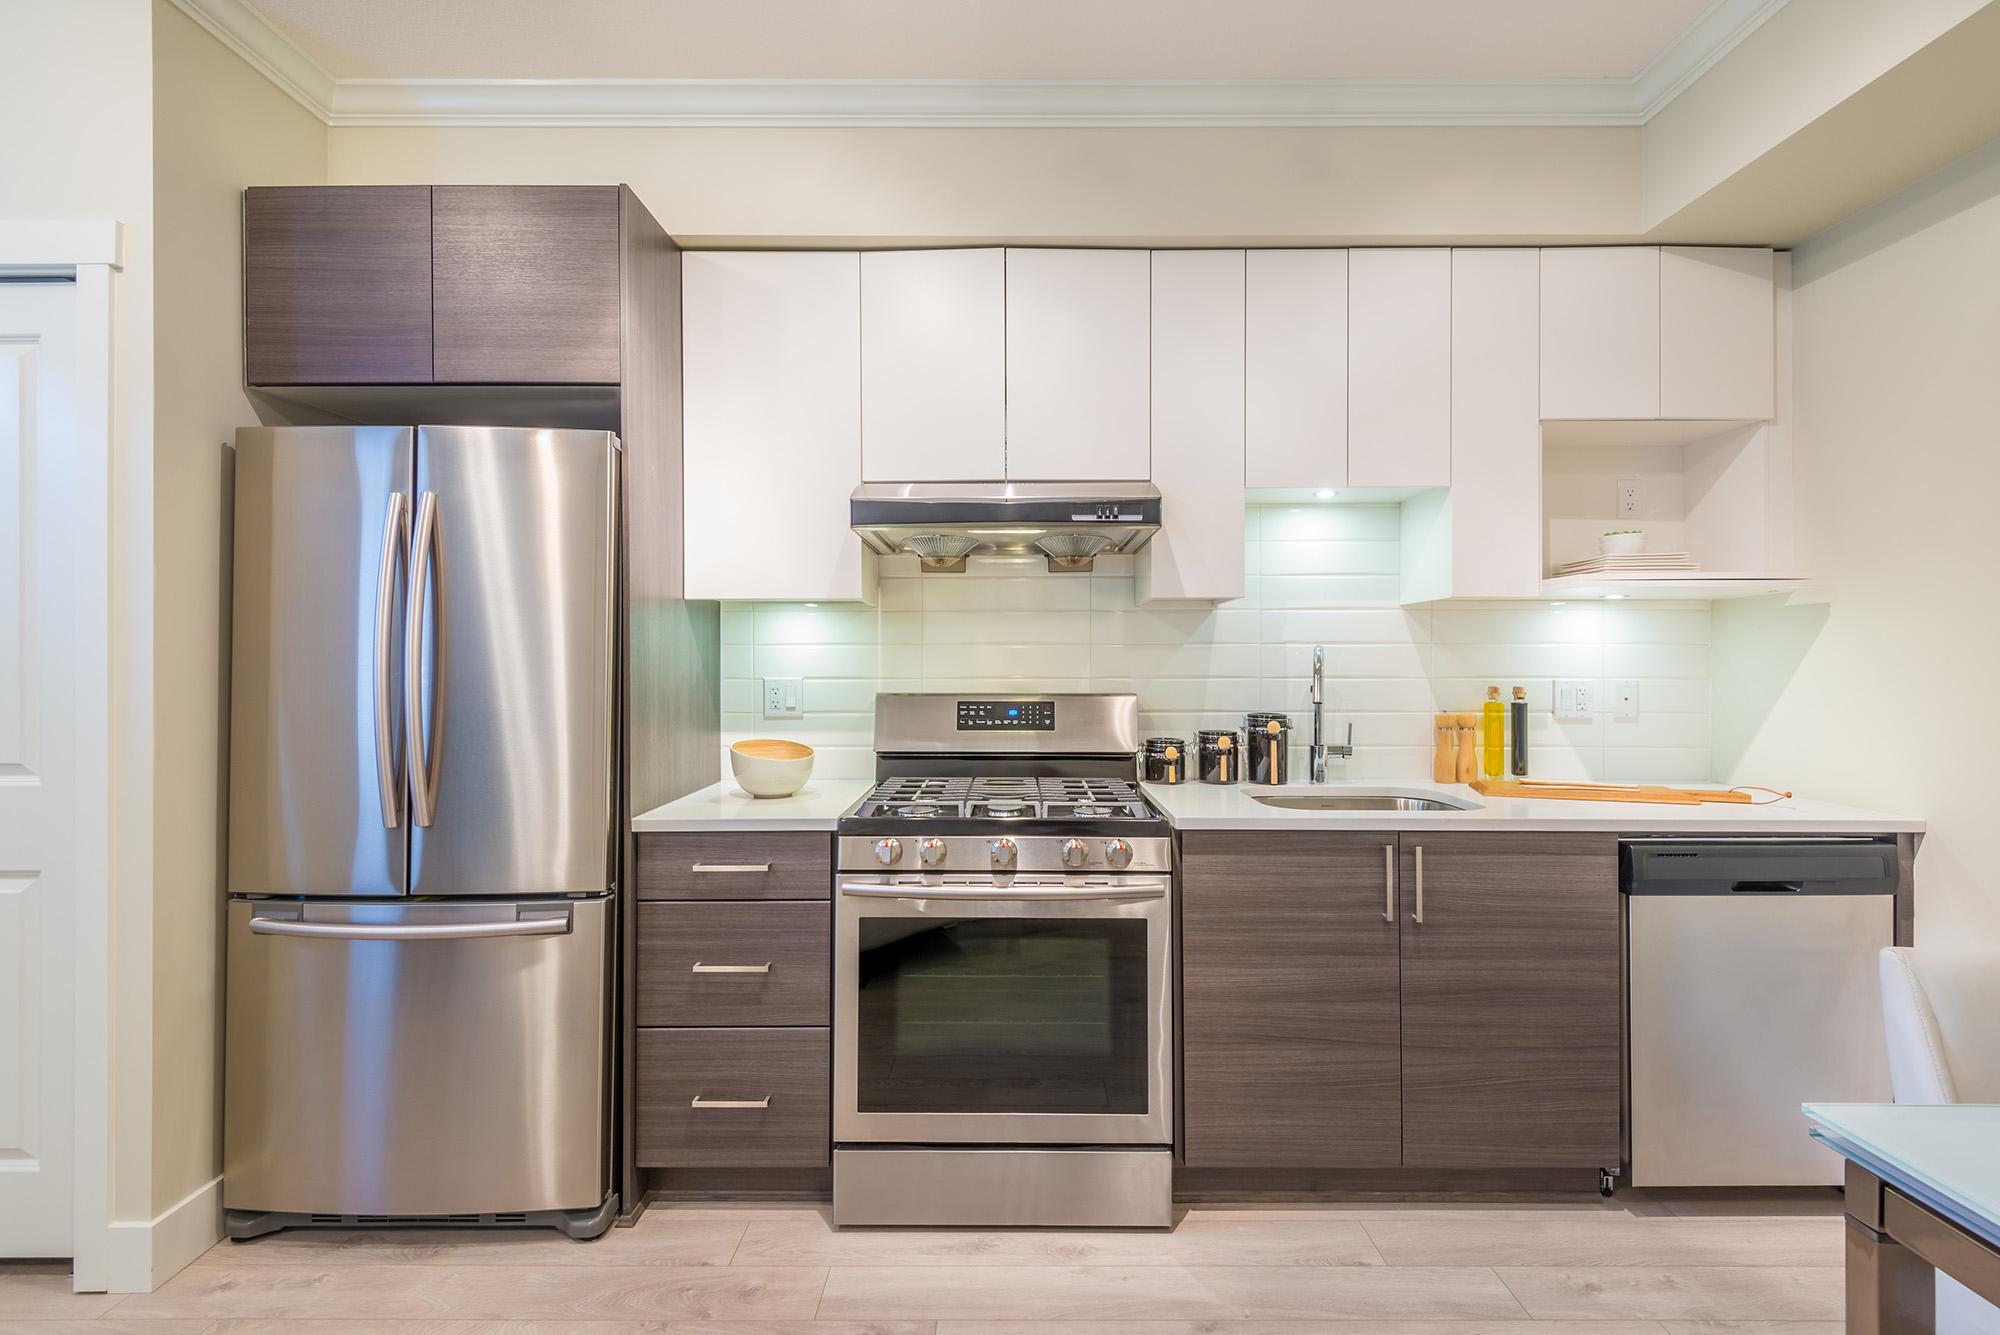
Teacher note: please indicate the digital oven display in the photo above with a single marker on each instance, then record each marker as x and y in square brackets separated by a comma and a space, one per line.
[1013, 715]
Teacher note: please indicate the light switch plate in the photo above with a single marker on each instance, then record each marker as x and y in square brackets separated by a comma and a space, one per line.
[784, 697]
[1625, 698]
[1574, 699]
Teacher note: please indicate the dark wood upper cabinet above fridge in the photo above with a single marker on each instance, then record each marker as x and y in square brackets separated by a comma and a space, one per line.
[446, 285]
[337, 285]
[524, 284]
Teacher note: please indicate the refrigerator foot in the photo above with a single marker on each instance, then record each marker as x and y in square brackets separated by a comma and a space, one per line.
[583, 1225]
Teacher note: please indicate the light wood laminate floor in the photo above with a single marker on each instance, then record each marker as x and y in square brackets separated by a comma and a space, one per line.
[1641, 1264]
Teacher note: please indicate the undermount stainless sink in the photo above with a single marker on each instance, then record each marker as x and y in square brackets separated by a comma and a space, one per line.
[1361, 802]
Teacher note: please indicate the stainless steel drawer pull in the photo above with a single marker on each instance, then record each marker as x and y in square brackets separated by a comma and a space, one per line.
[729, 968]
[700, 1102]
[1388, 883]
[1420, 883]
[730, 866]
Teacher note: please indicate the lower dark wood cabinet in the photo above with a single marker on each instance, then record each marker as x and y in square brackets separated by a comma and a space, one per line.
[734, 962]
[1510, 1001]
[1292, 1053]
[735, 1098]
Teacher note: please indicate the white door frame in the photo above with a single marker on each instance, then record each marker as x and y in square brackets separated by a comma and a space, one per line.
[89, 251]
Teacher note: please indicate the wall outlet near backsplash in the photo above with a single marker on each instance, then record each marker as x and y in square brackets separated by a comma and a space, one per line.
[1576, 699]
[784, 697]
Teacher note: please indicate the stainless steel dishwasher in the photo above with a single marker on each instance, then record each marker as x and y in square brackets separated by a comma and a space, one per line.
[1751, 988]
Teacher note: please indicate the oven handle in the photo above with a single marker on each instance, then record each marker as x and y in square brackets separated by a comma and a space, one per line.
[1004, 895]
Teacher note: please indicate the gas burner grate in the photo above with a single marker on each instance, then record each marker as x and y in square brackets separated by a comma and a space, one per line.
[1004, 797]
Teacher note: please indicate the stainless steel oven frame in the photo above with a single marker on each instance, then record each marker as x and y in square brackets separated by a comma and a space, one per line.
[1147, 897]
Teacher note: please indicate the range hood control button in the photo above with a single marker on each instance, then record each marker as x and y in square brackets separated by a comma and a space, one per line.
[1003, 852]
[931, 851]
[1073, 853]
[1118, 853]
[887, 851]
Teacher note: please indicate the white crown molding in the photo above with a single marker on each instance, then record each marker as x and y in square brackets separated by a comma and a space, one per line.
[980, 102]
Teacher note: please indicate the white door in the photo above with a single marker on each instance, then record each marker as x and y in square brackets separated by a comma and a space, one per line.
[37, 359]
[1601, 332]
[1079, 394]
[1718, 343]
[1197, 427]
[934, 365]
[1295, 368]
[1399, 368]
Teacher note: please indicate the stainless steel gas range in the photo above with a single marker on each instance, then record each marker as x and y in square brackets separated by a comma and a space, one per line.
[1003, 1045]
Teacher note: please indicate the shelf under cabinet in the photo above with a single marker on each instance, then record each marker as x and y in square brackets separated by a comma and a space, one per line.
[1681, 585]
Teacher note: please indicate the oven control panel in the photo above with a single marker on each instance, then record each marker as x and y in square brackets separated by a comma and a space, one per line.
[1012, 715]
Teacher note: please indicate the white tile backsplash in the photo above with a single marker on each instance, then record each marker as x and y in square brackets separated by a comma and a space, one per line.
[1318, 575]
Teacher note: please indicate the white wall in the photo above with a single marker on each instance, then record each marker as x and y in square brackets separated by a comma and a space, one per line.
[1316, 574]
[218, 125]
[1873, 692]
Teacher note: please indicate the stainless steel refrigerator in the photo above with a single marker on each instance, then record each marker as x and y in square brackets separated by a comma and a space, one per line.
[422, 827]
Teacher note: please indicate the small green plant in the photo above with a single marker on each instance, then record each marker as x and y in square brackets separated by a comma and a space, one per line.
[1621, 532]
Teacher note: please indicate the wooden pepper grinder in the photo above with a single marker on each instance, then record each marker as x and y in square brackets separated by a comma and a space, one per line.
[1468, 747]
[1444, 765]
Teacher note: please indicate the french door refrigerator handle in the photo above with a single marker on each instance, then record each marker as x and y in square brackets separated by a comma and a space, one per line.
[423, 558]
[426, 931]
[395, 546]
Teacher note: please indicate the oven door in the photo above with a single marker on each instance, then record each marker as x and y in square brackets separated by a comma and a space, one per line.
[1038, 1012]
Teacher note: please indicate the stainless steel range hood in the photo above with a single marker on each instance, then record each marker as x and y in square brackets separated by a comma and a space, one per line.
[1068, 523]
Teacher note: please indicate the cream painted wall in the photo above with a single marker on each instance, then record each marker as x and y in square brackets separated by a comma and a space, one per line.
[218, 125]
[853, 186]
[1873, 692]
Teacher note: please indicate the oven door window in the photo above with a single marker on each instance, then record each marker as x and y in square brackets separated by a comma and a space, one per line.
[1002, 1015]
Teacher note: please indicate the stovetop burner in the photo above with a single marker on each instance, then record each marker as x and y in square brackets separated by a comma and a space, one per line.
[1006, 798]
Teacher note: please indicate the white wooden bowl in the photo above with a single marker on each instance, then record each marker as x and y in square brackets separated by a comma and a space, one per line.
[768, 767]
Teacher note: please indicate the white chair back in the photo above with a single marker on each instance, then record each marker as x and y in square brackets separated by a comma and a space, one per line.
[1941, 1011]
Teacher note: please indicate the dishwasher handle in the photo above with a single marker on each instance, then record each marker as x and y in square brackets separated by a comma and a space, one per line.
[1767, 888]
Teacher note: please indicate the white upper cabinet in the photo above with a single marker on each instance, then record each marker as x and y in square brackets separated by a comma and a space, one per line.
[1717, 333]
[1295, 368]
[772, 410]
[1078, 397]
[933, 365]
[1601, 332]
[1399, 368]
[1197, 427]
[1496, 434]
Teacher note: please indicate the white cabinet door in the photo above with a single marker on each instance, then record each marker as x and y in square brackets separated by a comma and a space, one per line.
[1197, 427]
[1399, 368]
[1601, 332]
[1077, 365]
[934, 365]
[772, 360]
[1496, 434]
[1717, 336]
[1295, 368]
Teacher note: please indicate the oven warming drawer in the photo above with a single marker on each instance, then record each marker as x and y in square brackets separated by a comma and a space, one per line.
[1004, 1188]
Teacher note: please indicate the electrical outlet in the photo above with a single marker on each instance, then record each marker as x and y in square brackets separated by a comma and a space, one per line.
[1625, 698]
[1574, 700]
[1628, 497]
[784, 697]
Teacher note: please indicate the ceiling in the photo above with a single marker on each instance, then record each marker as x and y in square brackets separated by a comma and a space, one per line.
[983, 39]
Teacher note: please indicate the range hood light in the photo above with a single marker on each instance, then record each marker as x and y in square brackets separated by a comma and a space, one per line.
[939, 552]
[1072, 551]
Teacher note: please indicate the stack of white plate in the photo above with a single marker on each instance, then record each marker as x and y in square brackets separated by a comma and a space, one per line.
[1641, 563]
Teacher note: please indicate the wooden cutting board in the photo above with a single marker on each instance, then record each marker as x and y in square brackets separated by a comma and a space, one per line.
[1604, 792]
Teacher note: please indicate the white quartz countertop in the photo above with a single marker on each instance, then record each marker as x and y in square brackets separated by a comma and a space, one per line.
[1203, 806]
[724, 806]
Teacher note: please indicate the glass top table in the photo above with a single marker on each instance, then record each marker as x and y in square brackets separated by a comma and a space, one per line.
[1923, 1196]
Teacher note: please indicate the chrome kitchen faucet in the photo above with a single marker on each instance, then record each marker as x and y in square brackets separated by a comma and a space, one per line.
[1320, 751]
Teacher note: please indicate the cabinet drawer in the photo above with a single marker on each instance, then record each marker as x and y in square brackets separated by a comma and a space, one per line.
[786, 1073]
[697, 962]
[793, 865]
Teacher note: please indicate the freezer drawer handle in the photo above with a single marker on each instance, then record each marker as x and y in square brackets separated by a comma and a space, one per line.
[700, 1102]
[388, 772]
[427, 931]
[730, 968]
[730, 866]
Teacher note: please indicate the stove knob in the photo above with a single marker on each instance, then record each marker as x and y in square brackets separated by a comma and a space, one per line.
[1074, 853]
[932, 851]
[1003, 852]
[1117, 852]
[887, 851]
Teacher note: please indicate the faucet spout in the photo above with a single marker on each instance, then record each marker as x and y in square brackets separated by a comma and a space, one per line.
[1320, 752]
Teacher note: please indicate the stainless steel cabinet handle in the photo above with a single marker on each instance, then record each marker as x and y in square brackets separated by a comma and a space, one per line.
[729, 968]
[423, 554]
[1388, 883]
[730, 866]
[425, 931]
[395, 545]
[699, 1102]
[1420, 883]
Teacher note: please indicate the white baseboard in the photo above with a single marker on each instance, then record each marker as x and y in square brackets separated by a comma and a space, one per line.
[145, 1254]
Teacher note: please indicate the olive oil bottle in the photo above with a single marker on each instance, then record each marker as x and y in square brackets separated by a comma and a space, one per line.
[1493, 748]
